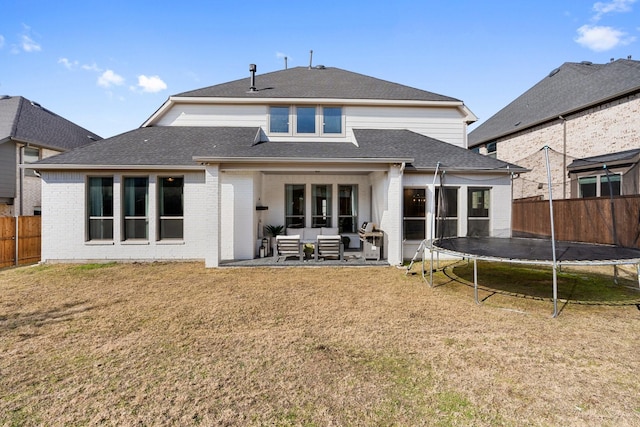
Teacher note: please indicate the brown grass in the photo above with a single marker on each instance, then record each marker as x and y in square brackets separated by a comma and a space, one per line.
[178, 344]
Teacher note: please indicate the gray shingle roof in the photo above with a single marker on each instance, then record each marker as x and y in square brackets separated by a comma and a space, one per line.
[620, 156]
[26, 121]
[329, 82]
[569, 88]
[177, 145]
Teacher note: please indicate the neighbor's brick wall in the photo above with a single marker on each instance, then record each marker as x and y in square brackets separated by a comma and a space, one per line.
[607, 128]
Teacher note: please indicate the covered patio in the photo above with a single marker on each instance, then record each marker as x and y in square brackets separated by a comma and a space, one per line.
[352, 258]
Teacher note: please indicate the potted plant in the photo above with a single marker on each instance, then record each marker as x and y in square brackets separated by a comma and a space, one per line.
[272, 231]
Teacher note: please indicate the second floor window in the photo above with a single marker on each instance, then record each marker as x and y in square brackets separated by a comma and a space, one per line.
[279, 120]
[306, 120]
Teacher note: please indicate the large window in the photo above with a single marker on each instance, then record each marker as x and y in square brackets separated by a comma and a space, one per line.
[171, 207]
[321, 205]
[136, 204]
[279, 120]
[100, 208]
[347, 208]
[332, 120]
[478, 212]
[414, 213]
[294, 205]
[446, 212]
[599, 185]
[306, 120]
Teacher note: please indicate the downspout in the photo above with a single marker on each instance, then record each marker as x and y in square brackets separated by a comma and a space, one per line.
[564, 157]
[401, 173]
[17, 213]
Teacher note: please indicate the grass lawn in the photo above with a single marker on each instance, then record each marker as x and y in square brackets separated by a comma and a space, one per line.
[178, 344]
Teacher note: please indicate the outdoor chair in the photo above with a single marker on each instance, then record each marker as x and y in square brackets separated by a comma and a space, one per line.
[329, 247]
[288, 246]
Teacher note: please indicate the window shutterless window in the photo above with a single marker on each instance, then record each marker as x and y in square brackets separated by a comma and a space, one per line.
[136, 207]
[321, 205]
[30, 155]
[294, 205]
[279, 120]
[478, 212]
[610, 185]
[306, 120]
[332, 120]
[492, 149]
[100, 208]
[171, 207]
[347, 208]
[414, 213]
[446, 210]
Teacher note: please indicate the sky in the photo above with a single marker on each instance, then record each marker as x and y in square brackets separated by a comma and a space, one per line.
[109, 65]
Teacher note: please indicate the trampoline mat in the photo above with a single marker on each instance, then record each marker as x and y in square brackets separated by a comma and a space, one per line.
[535, 249]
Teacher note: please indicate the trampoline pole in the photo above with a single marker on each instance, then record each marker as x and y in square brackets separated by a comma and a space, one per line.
[553, 237]
[475, 279]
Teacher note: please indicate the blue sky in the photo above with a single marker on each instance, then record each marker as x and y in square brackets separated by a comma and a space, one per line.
[108, 66]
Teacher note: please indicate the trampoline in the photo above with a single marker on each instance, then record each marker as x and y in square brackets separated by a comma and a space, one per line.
[529, 251]
[552, 252]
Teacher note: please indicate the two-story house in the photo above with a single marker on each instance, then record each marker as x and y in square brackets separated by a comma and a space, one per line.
[309, 148]
[582, 111]
[28, 133]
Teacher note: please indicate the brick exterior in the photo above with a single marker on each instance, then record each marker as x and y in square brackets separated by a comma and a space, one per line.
[603, 129]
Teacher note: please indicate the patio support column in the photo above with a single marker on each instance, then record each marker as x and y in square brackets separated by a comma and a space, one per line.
[393, 222]
[211, 231]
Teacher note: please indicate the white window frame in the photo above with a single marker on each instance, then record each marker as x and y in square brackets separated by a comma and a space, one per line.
[292, 124]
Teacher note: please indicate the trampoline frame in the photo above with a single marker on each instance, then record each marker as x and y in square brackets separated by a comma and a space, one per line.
[431, 246]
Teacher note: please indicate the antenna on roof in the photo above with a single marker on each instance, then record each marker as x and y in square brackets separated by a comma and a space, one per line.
[310, 59]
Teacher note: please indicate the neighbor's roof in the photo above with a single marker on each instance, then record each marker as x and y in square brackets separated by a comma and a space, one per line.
[184, 147]
[627, 156]
[569, 88]
[28, 122]
[316, 82]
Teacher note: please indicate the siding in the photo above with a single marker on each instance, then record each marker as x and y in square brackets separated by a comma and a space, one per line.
[215, 115]
[444, 124]
[7, 170]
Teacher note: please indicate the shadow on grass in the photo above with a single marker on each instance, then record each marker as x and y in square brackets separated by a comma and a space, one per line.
[63, 313]
[577, 286]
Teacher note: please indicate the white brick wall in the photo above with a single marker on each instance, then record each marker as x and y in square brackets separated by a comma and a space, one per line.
[64, 222]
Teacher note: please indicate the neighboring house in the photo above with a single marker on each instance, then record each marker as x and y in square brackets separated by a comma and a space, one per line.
[609, 174]
[315, 148]
[29, 133]
[579, 110]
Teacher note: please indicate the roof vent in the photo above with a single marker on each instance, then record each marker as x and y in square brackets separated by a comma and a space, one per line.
[4, 97]
[252, 70]
[320, 67]
[554, 72]
[587, 63]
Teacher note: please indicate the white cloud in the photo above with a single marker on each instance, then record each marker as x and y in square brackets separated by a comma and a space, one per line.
[151, 84]
[29, 45]
[70, 65]
[600, 39]
[1, 41]
[614, 6]
[92, 67]
[109, 78]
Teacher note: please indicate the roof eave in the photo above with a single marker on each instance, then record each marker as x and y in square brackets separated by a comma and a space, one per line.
[68, 166]
[288, 160]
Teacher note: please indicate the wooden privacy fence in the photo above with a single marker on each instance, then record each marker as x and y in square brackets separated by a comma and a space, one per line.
[28, 237]
[593, 220]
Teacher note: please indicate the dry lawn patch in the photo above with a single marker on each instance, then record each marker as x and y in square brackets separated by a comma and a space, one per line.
[178, 344]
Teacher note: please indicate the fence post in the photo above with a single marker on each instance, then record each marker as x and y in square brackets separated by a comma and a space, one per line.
[17, 242]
